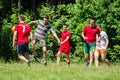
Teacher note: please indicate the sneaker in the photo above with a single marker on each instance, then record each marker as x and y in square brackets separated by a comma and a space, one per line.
[28, 63]
[86, 64]
[36, 59]
[68, 63]
[45, 63]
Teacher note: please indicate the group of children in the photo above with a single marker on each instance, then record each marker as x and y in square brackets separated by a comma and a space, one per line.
[95, 40]
[95, 43]
[22, 31]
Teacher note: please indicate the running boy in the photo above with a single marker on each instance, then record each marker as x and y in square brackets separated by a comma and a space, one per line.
[64, 45]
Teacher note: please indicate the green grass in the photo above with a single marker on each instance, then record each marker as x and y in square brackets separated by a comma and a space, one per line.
[37, 71]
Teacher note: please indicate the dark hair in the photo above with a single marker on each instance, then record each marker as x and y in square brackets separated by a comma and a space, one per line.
[21, 17]
[65, 25]
[46, 16]
[93, 19]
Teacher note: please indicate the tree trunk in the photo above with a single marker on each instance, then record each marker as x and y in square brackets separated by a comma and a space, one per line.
[19, 5]
[11, 3]
[33, 9]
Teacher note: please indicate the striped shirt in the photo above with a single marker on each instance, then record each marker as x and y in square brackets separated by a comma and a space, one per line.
[42, 29]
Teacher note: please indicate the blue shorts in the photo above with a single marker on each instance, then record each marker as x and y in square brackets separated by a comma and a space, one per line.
[22, 48]
[89, 47]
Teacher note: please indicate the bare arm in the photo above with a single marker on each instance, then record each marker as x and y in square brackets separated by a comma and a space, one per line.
[32, 22]
[14, 38]
[99, 37]
[83, 35]
[107, 42]
[67, 38]
[55, 35]
[31, 36]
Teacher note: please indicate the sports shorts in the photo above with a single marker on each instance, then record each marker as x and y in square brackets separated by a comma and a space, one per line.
[89, 47]
[22, 48]
[41, 40]
[100, 51]
[64, 49]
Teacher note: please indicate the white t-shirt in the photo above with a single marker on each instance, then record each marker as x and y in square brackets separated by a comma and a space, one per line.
[102, 43]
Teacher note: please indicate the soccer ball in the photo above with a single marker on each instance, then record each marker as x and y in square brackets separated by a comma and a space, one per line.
[13, 28]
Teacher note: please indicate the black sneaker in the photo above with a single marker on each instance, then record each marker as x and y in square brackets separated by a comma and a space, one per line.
[45, 63]
[36, 59]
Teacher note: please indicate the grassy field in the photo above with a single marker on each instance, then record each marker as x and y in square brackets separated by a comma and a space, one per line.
[37, 71]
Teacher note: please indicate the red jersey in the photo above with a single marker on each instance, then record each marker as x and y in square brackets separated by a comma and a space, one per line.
[65, 47]
[64, 35]
[91, 32]
[23, 30]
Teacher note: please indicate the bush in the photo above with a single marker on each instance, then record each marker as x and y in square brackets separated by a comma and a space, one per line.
[76, 16]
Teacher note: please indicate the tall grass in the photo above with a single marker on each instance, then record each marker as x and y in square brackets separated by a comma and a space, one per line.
[37, 71]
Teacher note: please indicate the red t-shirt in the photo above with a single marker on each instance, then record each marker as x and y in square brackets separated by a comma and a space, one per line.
[23, 30]
[64, 35]
[65, 47]
[91, 32]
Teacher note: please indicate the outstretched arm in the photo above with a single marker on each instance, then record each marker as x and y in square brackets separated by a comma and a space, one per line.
[31, 37]
[53, 32]
[32, 22]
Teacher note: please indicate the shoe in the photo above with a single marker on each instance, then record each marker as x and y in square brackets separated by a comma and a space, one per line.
[86, 64]
[28, 63]
[36, 59]
[68, 63]
[45, 63]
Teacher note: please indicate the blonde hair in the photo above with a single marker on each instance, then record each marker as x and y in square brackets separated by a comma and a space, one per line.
[21, 17]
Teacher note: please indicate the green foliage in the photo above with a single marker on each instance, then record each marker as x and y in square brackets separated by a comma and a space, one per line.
[76, 15]
[1, 5]
[6, 34]
[115, 53]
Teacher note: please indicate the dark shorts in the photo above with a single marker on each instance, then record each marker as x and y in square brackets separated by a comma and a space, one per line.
[89, 47]
[22, 48]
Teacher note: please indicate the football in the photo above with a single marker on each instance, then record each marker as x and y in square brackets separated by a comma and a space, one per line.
[13, 28]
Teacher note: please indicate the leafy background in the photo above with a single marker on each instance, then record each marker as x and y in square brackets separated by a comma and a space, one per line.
[75, 14]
